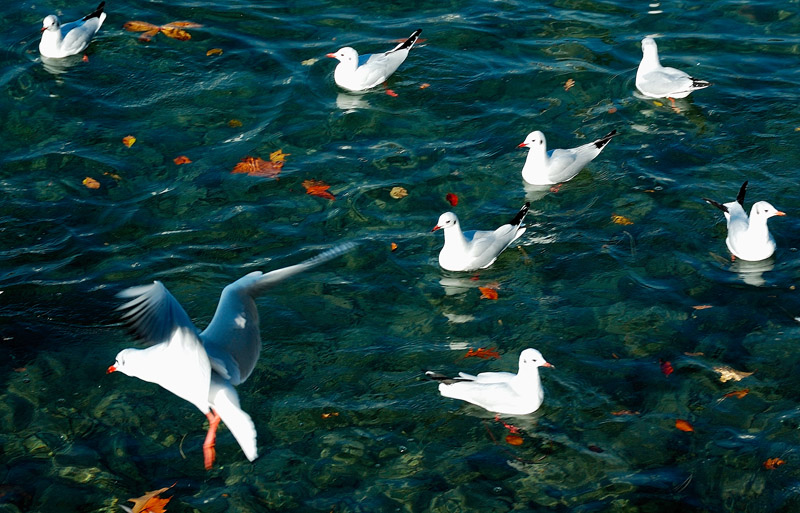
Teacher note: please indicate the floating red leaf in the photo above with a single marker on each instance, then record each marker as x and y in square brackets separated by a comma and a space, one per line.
[452, 199]
[483, 353]
[318, 188]
[666, 367]
[684, 425]
[773, 463]
[488, 293]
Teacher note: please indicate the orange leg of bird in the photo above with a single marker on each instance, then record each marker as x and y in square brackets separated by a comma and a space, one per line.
[211, 437]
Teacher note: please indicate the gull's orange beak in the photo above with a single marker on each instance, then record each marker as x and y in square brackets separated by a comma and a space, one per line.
[111, 369]
[437, 227]
[779, 213]
[548, 365]
[331, 55]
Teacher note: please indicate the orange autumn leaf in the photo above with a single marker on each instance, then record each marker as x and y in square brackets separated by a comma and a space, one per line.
[183, 159]
[214, 51]
[393, 246]
[424, 85]
[183, 24]
[612, 110]
[175, 33]
[331, 414]
[391, 93]
[702, 307]
[483, 353]
[146, 37]
[488, 293]
[514, 440]
[128, 140]
[91, 183]
[624, 221]
[150, 502]
[684, 425]
[738, 394]
[773, 463]
[139, 26]
[255, 166]
[318, 188]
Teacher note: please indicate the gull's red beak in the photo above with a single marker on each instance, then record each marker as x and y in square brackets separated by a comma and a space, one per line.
[546, 364]
[331, 55]
[522, 145]
[43, 29]
[437, 227]
[111, 369]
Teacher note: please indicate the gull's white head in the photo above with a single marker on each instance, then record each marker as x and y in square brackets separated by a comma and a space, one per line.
[445, 221]
[649, 48]
[51, 23]
[346, 54]
[534, 140]
[122, 363]
[531, 358]
[765, 210]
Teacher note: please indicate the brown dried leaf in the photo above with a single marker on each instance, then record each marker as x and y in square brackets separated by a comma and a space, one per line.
[569, 84]
[148, 36]
[398, 192]
[183, 24]
[175, 33]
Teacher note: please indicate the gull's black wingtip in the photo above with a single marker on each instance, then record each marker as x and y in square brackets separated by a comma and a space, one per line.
[96, 13]
[601, 143]
[517, 220]
[742, 192]
[716, 204]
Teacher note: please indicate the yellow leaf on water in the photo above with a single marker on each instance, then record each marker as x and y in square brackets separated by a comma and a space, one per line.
[658, 104]
[278, 157]
[624, 221]
[214, 51]
[398, 192]
[309, 62]
[91, 183]
[128, 140]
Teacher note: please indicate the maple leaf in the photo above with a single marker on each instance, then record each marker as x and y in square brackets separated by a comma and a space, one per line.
[483, 353]
[128, 140]
[318, 188]
[91, 183]
[773, 463]
[488, 293]
[183, 159]
[624, 221]
[728, 374]
[684, 425]
[150, 502]
[452, 199]
[278, 157]
[255, 166]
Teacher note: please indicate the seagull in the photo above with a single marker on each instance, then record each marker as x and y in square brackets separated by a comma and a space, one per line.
[468, 251]
[71, 38]
[544, 167]
[748, 239]
[500, 392]
[357, 73]
[203, 367]
[655, 81]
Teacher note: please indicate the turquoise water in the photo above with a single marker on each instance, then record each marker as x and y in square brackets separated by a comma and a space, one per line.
[345, 420]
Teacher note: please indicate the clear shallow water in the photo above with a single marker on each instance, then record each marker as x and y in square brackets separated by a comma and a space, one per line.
[604, 302]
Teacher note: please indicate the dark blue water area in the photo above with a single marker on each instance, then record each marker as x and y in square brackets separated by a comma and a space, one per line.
[623, 272]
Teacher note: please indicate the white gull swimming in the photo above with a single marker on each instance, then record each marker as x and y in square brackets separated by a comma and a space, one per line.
[70, 38]
[544, 167]
[475, 249]
[656, 81]
[203, 367]
[359, 72]
[748, 238]
[500, 392]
